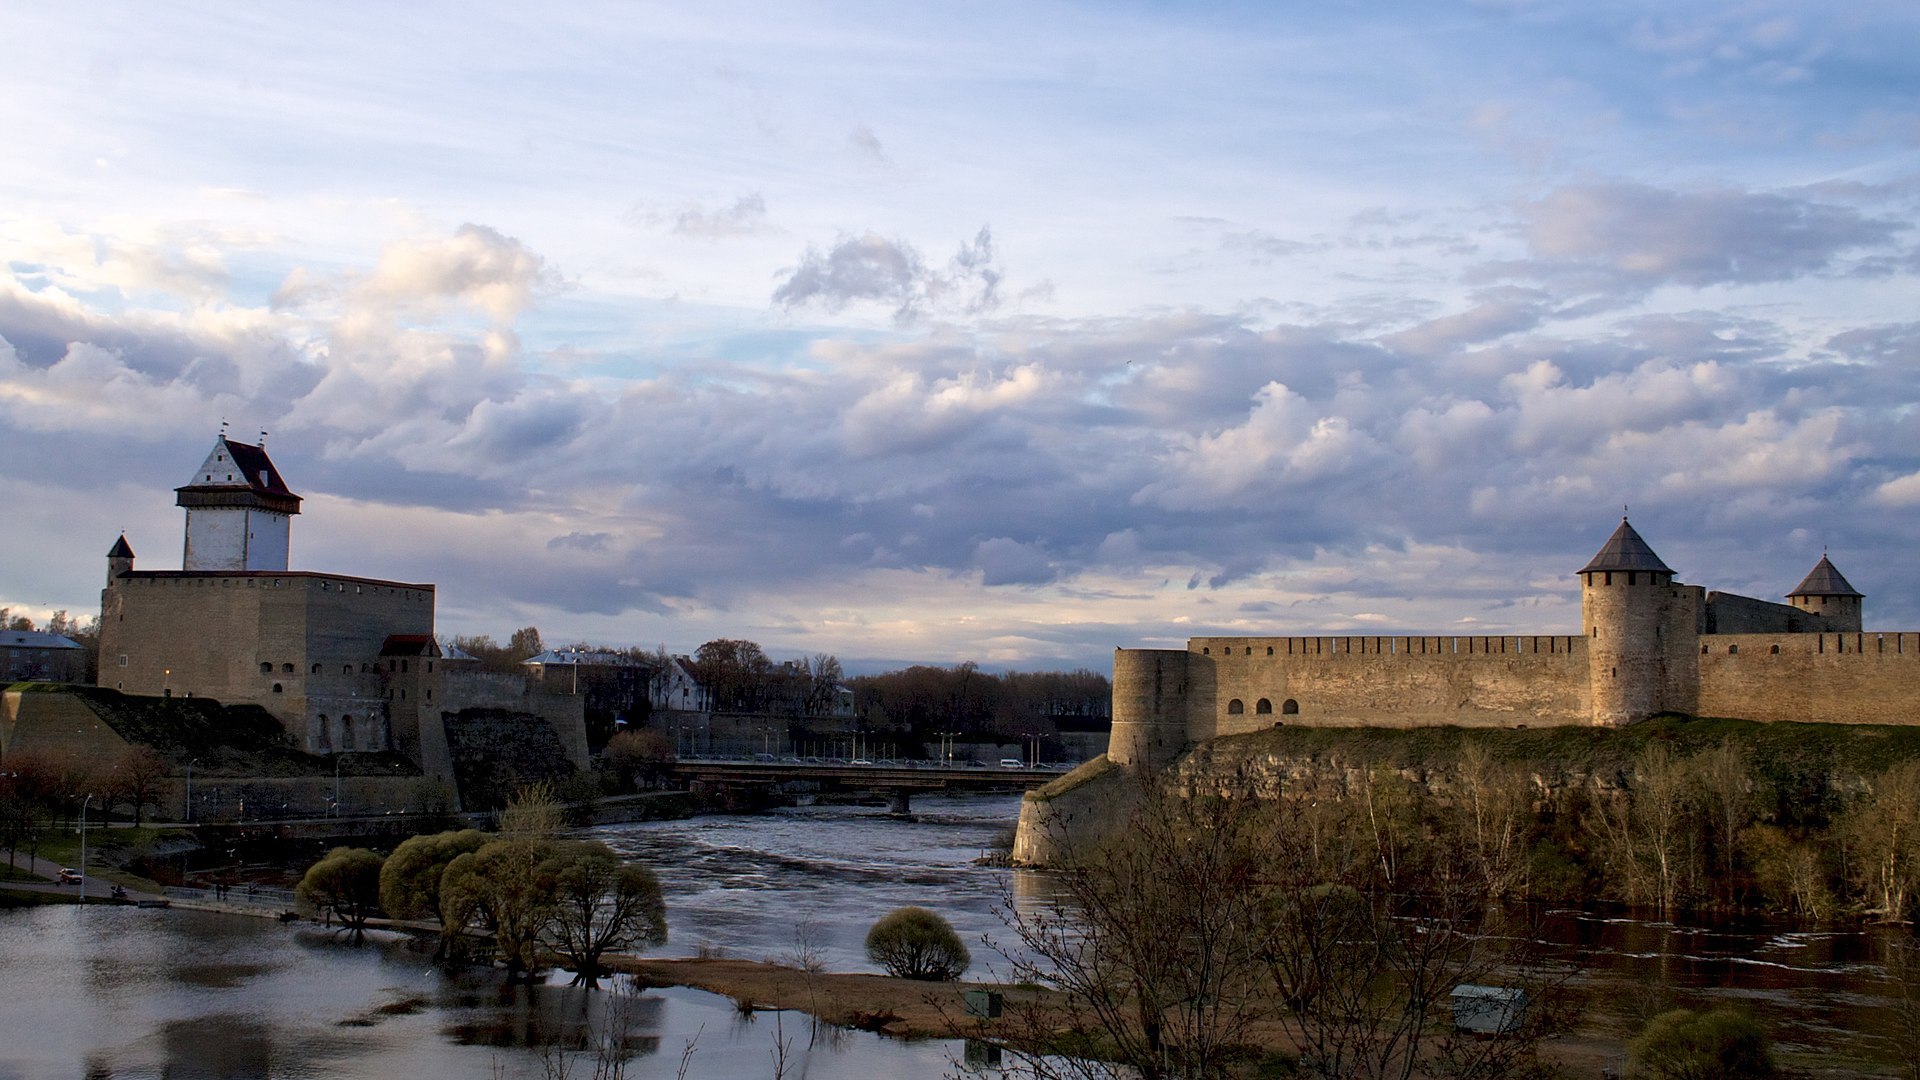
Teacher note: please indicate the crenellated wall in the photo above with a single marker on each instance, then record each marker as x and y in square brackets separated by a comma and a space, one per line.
[1856, 678]
[1402, 681]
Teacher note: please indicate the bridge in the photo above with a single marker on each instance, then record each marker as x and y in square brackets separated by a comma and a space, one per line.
[898, 780]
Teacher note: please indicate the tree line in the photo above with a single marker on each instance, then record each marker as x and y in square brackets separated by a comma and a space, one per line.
[529, 895]
[42, 792]
[1675, 826]
[965, 699]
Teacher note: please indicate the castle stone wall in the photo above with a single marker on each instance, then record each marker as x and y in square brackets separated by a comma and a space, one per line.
[1856, 678]
[1399, 681]
[1728, 613]
[236, 636]
[1154, 691]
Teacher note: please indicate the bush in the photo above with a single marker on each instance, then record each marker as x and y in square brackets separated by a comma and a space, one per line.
[1684, 1045]
[914, 943]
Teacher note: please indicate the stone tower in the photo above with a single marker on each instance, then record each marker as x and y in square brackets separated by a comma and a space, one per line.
[1151, 688]
[1824, 592]
[239, 511]
[119, 559]
[1625, 594]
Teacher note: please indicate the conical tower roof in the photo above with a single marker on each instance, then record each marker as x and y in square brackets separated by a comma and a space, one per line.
[121, 549]
[1824, 580]
[1624, 550]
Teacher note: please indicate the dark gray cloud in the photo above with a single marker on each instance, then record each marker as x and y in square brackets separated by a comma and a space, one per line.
[871, 268]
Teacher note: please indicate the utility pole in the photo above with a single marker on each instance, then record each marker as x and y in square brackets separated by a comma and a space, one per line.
[83, 847]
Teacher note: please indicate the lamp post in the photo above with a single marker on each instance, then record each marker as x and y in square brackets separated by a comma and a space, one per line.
[83, 847]
[189, 807]
[337, 760]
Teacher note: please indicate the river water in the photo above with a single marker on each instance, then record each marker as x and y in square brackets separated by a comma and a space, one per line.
[121, 992]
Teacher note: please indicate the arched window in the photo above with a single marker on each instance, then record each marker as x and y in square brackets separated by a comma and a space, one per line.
[1703, 650]
[1775, 650]
[346, 669]
[346, 733]
[286, 669]
[1236, 707]
[1263, 707]
[1269, 650]
[1733, 650]
[1289, 707]
[266, 668]
[276, 688]
[316, 670]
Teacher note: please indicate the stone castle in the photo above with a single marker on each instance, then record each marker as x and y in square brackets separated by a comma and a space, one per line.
[1648, 645]
[345, 663]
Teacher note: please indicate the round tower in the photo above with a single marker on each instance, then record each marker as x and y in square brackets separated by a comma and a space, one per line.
[1150, 688]
[1623, 599]
[1825, 592]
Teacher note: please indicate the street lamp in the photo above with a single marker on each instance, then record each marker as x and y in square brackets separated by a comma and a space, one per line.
[83, 847]
[189, 807]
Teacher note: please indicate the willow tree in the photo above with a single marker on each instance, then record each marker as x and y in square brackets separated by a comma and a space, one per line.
[599, 905]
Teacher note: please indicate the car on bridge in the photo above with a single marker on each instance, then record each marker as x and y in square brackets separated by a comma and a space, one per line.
[68, 877]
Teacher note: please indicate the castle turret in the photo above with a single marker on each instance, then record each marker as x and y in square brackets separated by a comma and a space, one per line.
[1151, 688]
[1625, 594]
[119, 560]
[239, 511]
[1825, 592]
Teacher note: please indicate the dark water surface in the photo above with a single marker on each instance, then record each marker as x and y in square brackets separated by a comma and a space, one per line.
[122, 992]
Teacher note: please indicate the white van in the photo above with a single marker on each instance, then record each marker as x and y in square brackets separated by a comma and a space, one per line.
[1012, 763]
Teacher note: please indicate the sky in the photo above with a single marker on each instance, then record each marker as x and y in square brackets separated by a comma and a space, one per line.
[1010, 333]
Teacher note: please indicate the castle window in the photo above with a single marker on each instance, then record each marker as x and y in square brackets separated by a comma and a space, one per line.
[1249, 650]
[403, 695]
[1609, 578]
[316, 670]
[1733, 650]
[123, 659]
[1289, 707]
[286, 669]
[1205, 651]
[266, 668]
[276, 688]
[429, 695]
[1775, 650]
[429, 667]
[1703, 650]
[403, 667]
[1263, 707]
[1236, 707]
[1269, 650]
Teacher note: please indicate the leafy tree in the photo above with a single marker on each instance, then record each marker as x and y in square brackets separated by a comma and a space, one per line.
[524, 644]
[1684, 1045]
[914, 943]
[600, 904]
[410, 879]
[498, 890]
[735, 673]
[347, 883]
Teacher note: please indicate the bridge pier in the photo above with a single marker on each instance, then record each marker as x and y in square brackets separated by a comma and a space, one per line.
[899, 802]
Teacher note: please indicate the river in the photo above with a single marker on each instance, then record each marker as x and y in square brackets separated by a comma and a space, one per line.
[121, 992]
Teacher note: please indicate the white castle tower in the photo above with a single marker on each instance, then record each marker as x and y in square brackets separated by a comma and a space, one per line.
[239, 510]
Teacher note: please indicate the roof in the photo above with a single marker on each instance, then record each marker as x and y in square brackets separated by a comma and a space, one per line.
[257, 477]
[1824, 580]
[583, 656]
[1624, 550]
[34, 639]
[409, 645]
[121, 549]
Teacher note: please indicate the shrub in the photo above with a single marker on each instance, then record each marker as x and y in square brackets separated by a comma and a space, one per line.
[1685, 1045]
[914, 943]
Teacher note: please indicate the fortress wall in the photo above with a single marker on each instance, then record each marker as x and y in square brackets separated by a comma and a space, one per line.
[1399, 681]
[1853, 678]
[1675, 639]
[208, 634]
[1728, 613]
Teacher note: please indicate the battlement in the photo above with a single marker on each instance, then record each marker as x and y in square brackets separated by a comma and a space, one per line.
[1403, 645]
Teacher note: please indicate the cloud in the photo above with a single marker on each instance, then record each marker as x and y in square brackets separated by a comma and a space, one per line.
[1008, 562]
[872, 268]
[745, 216]
[866, 144]
[1637, 235]
[580, 541]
